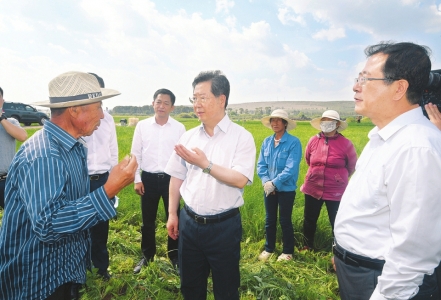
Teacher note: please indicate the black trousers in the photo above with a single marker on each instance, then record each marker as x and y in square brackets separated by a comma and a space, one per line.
[99, 234]
[209, 247]
[358, 283]
[311, 214]
[2, 193]
[62, 292]
[155, 187]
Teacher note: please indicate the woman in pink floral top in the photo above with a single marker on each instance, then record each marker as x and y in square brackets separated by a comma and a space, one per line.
[331, 159]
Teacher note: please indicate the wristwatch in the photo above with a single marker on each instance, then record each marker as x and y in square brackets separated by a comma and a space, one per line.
[208, 169]
[2, 117]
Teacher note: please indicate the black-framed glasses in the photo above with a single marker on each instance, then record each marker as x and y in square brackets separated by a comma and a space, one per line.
[362, 80]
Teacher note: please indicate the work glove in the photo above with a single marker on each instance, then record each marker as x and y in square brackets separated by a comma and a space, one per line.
[268, 187]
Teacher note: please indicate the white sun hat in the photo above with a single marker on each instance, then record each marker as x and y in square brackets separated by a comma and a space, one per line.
[332, 114]
[279, 113]
[75, 88]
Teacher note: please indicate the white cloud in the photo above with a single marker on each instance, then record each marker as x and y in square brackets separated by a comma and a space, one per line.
[19, 24]
[330, 34]
[59, 48]
[286, 16]
[224, 5]
[378, 18]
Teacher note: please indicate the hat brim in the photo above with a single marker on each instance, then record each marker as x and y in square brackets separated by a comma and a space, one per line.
[266, 122]
[106, 93]
[316, 124]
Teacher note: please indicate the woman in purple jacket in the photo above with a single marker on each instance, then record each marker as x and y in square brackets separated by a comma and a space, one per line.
[331, 159]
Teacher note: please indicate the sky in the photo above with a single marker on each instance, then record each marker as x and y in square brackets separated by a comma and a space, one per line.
[270, 50]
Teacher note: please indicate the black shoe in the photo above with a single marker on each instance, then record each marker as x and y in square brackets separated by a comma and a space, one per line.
[104, 275]
[141, 263]
[175, 263]
[75, 291]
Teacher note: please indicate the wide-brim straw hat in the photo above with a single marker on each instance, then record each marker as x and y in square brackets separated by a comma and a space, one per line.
[74, 89]
[332, 114]
[279, 113]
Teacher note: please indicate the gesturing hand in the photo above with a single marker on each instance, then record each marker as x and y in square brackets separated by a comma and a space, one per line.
[195, 157]
[434, 114]
[121, 175]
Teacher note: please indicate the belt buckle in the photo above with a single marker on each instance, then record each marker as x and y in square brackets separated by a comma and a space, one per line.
[94, 177]
[196, 218]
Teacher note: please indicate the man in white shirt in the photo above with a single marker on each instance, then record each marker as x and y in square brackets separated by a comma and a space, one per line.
[152, 144]
[209, 169]
[388, 225]
[102, 156]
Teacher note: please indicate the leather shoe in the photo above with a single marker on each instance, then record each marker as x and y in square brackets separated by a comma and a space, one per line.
[175, 264]
[104, 275]
[139, 265]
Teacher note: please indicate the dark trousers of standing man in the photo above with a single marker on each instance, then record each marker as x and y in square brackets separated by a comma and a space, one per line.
[205, 246]
[99, 232]
[155, 186]
[2, 192]
[359, 282]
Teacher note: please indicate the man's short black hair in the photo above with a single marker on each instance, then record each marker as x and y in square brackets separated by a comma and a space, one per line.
[406, 61]
[1, 91]
[100, 80]
[57, 111]
[219, 83]
[165, 92]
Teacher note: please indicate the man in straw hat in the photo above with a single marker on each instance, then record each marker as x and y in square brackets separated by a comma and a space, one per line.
[44, 239]
[387, 228]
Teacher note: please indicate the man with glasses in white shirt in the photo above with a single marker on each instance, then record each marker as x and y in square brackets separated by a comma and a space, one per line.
[209, 169]
[152, 144]
[387, 230]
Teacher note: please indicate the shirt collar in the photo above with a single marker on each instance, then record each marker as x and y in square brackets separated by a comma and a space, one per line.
[153, 120]
[66, 140]
[396, 124]
[222, 125]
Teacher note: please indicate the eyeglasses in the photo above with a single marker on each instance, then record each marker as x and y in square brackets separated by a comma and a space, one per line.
[195, 100]
[362, 80]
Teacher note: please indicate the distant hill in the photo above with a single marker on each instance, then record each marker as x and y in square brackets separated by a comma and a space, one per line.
[309, 108]
[300, 110]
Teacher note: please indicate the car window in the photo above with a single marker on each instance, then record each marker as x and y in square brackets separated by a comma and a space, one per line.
[29, 108]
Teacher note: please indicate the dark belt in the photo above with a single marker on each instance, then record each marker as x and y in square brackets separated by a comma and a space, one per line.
[97, 176]
[156, 175]
[211, 218]
[3, 176]
[357, 260]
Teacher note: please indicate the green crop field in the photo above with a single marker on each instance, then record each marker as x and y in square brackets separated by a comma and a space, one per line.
[308, 276]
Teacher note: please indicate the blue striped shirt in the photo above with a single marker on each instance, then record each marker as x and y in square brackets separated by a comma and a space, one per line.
[44, 238]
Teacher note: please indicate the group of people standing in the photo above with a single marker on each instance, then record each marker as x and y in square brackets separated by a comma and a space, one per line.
[331, 159]
[386, 225]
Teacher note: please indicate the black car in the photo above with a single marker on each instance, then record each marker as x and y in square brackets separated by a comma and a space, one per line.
[24, 113]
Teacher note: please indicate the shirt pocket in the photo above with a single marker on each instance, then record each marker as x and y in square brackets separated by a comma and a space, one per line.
[281, 159]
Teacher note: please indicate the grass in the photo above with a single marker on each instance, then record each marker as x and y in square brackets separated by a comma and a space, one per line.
[308, 276]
